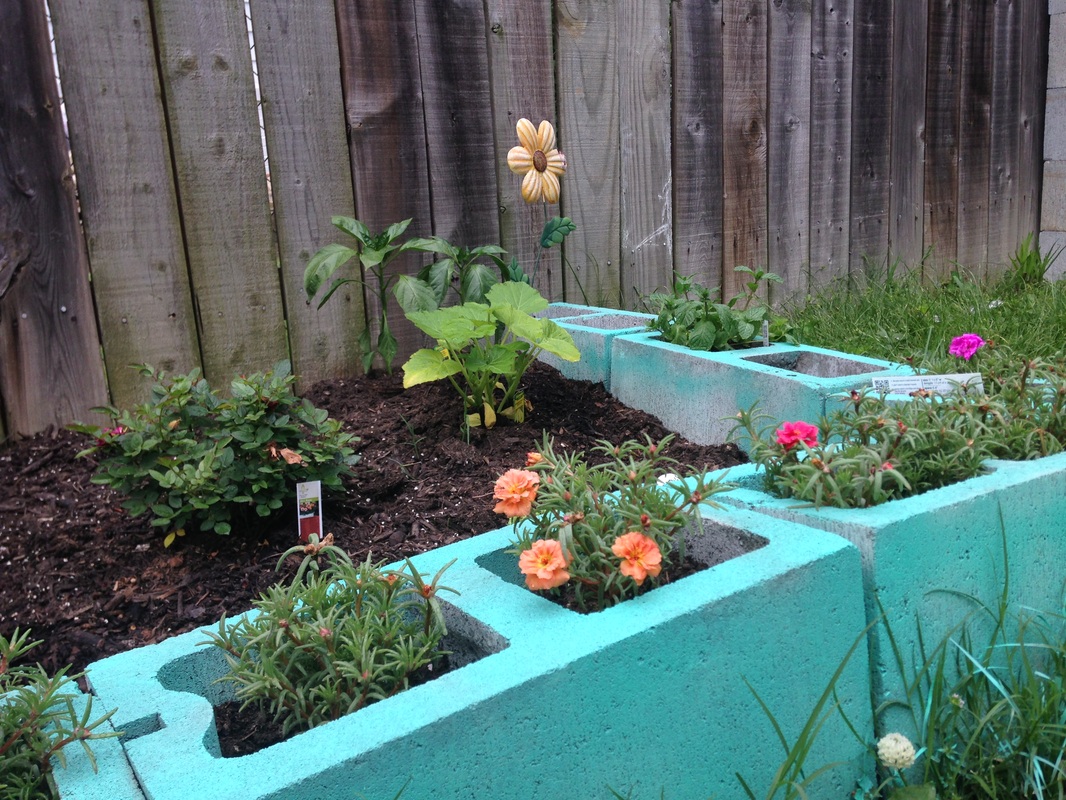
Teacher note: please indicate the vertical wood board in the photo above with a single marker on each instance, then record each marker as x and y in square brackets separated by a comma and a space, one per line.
[1035, 27]
[745, 140]
[697, 136]
[831, 78]
[789, 132]
[941, 134]
[907, 201]
[975, 106]
[218, 154]
[587, 80]
[129, 208]
[50, 367]
[523, 85]
[644, 147]
[387, 137]
[871, 178]
[310, 173]
[1005, 132]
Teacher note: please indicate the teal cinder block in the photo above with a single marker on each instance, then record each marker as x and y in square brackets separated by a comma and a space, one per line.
[697, 394]
[593, 334]
[648, 695]
[920, 552]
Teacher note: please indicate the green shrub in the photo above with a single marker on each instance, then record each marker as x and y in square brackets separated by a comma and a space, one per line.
[37, 718]
[334, 640]
[190, 456]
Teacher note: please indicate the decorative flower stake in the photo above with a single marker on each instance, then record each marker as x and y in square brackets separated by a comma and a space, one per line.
[538, 159]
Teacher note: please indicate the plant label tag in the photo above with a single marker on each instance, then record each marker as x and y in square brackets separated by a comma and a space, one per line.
[309, 509]
[941, 384]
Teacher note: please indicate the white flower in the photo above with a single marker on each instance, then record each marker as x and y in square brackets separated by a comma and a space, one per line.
[669, 477]
[895, 751]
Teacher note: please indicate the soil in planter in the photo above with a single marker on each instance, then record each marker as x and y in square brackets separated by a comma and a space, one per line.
[90, 582]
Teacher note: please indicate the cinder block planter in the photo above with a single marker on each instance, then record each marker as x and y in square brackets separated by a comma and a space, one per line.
[593, 333]
[692, 391]
[646, 695]
[947, 539]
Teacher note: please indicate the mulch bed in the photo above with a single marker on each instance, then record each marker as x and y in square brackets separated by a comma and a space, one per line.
[90, 582]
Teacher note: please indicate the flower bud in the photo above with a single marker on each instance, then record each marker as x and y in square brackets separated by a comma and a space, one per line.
[645, 521]
[325, 633]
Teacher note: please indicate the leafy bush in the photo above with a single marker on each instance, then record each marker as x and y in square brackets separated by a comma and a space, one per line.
[334, 640]
[701, 323]
[37, 719]
[601, 529]
[872, 451]
[484, 350]
[189, 456]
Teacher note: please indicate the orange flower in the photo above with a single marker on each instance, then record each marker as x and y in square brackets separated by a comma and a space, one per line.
[516, 490]
[640, 556]
[537, 158]
[533, 458]
[543, 565]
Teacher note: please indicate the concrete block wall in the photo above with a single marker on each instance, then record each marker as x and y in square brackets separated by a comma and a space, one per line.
[1053, 206]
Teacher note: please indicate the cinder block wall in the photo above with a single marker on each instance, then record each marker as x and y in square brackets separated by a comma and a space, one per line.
[1053, 207]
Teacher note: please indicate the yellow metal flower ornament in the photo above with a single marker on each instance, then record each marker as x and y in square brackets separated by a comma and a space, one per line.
[537, 158]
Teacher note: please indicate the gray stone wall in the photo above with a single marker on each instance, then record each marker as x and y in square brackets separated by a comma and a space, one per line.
[1053, 205]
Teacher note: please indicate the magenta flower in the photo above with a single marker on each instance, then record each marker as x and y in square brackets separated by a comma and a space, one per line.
[966, 345]
[792, 433]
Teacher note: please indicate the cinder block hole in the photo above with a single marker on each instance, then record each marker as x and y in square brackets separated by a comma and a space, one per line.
[559, 311]
[610, 322]
[707, 542]
[141, 727]
[819, 365]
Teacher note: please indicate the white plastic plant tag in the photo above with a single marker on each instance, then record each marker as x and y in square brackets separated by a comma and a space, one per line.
[309, 509]
[941, 384]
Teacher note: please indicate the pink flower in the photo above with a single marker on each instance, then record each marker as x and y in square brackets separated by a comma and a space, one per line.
[966, 345]
[543, 565]
[640, 556]
[516, 490]
[792, 433]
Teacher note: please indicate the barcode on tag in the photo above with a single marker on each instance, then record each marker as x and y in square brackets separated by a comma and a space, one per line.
[941, 384]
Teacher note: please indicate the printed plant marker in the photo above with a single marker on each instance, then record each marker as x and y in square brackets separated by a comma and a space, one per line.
[309, 509]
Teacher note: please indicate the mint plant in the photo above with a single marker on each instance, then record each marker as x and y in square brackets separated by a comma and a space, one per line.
[336, 638]
[483, 350]
[38, 718]
[691, 315]
[190, 456]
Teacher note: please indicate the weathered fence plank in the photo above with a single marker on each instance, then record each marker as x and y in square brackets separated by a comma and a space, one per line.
[587, 80]
[975, 105]
[386, 129]
[523, 85]
[453, 55]
[941, 134]
[1005, 132]
[129, 208]
[1034, 24]
[745, 142]
[871, 131]
[310, 175]
[210, 95]
[831, 78]
[906, 202]
[644, 144]
[697, 123]
[789, 135]
[50, 368]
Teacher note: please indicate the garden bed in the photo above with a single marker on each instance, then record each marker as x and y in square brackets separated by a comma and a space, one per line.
[91, 582]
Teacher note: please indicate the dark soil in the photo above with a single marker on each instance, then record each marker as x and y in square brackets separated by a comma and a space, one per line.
[90, 582]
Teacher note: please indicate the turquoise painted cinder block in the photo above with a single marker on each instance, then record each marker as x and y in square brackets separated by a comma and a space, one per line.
[697, 394]
[593, 334]
[951, 539]
[648, 695]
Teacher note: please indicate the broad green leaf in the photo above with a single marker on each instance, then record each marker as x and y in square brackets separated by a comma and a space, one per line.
[322, 266]
[352, 227]
[520, 295]
[499, 359]
[414, 294]
[396, 229]
[434, 244]
[370, 257]
[366, 350]
[557, 341]
[703, 335]
[439, 277]
[520, 323]
[474, 283]
[555, 230]
[387, 346]
[425, 366]
[487, 250]
[745, 330]
[455, 324]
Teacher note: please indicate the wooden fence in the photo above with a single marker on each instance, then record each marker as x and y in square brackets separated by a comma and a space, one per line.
[800, 135]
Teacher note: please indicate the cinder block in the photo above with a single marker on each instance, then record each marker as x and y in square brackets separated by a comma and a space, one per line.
[698, 394]
[1055, 126]
[1054, 240]
[593, 334]
[1056, 7]
[1056, 68]
[1053, 207]
[951, 539]
[570, 705]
